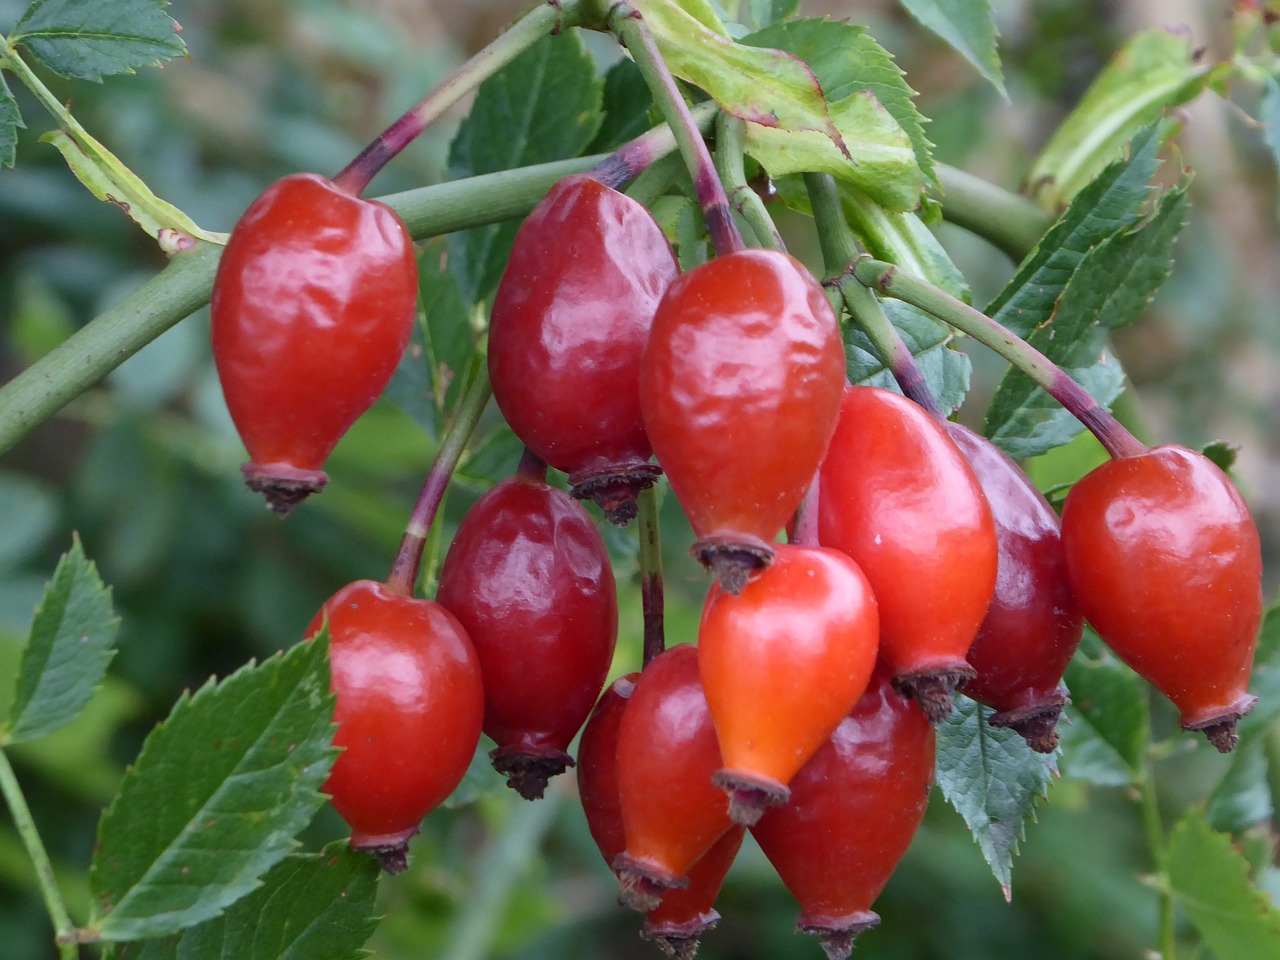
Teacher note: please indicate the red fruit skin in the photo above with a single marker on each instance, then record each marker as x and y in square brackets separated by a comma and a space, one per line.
[854, 809]
[740, 387]
[684, 914]
[529, 578]
[667, 752]
[782, 663]
[409, 704]
[569, 323]
[312, 308]
[1165, 561]
[1034, 624]
[900, 499]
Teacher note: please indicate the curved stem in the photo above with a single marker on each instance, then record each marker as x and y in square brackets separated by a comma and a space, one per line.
[730, 136]
[404, 569]
[544, 19]
[629, 26]
[64, 929]
[805, 531]
[887, 279]
[652, 600]
[634, 157]
[1009, 221]
[1158, 848]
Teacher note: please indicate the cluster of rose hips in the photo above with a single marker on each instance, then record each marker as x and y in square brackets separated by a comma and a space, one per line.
[919, 558]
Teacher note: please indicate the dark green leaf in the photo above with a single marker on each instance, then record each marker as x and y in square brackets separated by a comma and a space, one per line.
[993, 779]
[10, 122]
[543, 106]
[625, 105]
[969, 26]
[92, 39]
[309, 907]
[945, 370]
[1243, 797]
[846, 59]
[216, 796]
[1210, 881]
[162, 949]
[72, 641]
[1112, 700]
[1111, 287]
[1222, 453]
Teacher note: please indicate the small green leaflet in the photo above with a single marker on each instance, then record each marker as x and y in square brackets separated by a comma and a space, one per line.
[969, 26]
[544, 105]
[1210, 881]
[1112, 701]
[993, 779]
[1152, 73]
[10, 122]
[72, 642]
[92, 39]
[215, 798]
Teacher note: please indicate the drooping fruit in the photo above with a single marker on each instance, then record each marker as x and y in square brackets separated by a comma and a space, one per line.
[740, 388]
[408, 711]
[528, 576]
[782, 663]
[898, 497]
[853, 811]
[568, 326]
[1166, 563]
[1033, 625]
[312, 308]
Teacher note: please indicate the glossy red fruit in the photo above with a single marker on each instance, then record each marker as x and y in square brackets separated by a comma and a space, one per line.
[1165, 561]
[1033, 625]
[740, 387]
[683, 915]
[312, 308]
[568, 326]
[409, 704]
[854, 809]
[667, 752]
[528, 576]
[782, 663]
[900, 499]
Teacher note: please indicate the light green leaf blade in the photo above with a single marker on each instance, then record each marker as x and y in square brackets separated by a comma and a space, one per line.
[1242, 799]
[10, 123]
[969, 26]
[309, 907]
[72, 642]
[1154, 72]
[1210, 881]
[215, 798]
[92, 39]
[994, 781]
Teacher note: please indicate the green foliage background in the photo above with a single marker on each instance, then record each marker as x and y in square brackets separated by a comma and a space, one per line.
[145, 468]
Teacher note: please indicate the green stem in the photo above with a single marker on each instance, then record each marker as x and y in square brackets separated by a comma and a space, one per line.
[652, 601]
[730, 137]
[64, 929]
[1158, 848]
[1009, 221]
[889, 280]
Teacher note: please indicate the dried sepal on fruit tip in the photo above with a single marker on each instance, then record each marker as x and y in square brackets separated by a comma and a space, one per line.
[641, 885]
[1221, 730]
[933, 690]
[837, 937]
[735, 560]
[527, 771]
[283, 486]
[680, 940]
[750, 796]
[1036, 723]
[614, 489]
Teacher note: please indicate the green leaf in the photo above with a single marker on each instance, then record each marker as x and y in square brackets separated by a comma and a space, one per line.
[765, 12]
[309, 907]
[946, 371]
[1242, 799]
[1264, 683]
[72, 641]
[1154, 72]
[1210, 881]
[969, 26]
[10, 122]
[543, 106]
[92, 39]
[1111, 287]
[790, 127]
[218, 792]
[993, 779]
[1223, 453]
[625, 106]
[846, 59]
[1112, 700]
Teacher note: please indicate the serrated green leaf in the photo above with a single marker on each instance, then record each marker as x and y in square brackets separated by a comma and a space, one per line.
[625, 104]
[1154, 72]
[10, 123]
[309, 907]
[1112, 286]
[846, 59]
[215, 798]
[92, 39]
[1242, 799]
[542, 106]
[993, 779]
[946, 371]
[1210, 881]
[1112, 700]
[967, 25]
[790, 127]
[72, 641]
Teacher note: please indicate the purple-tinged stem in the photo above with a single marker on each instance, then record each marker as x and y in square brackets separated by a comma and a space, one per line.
[889, 280]
[805, 530]
[651, 591]
[730, 137]
[629, 26]
[532, 468]
[404, 569]
[632, 158]
[544, 19]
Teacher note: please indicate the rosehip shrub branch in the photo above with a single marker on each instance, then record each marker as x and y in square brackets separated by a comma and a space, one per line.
[888, 602]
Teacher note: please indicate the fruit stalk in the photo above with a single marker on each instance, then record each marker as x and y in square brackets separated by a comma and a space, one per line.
[1007, 220]
[730, 136]
[634, 157]
[652, 598]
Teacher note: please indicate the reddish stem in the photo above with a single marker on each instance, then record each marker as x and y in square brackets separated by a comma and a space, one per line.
[532, 468]
[652, 598]
[635, 156]
[805, 530]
